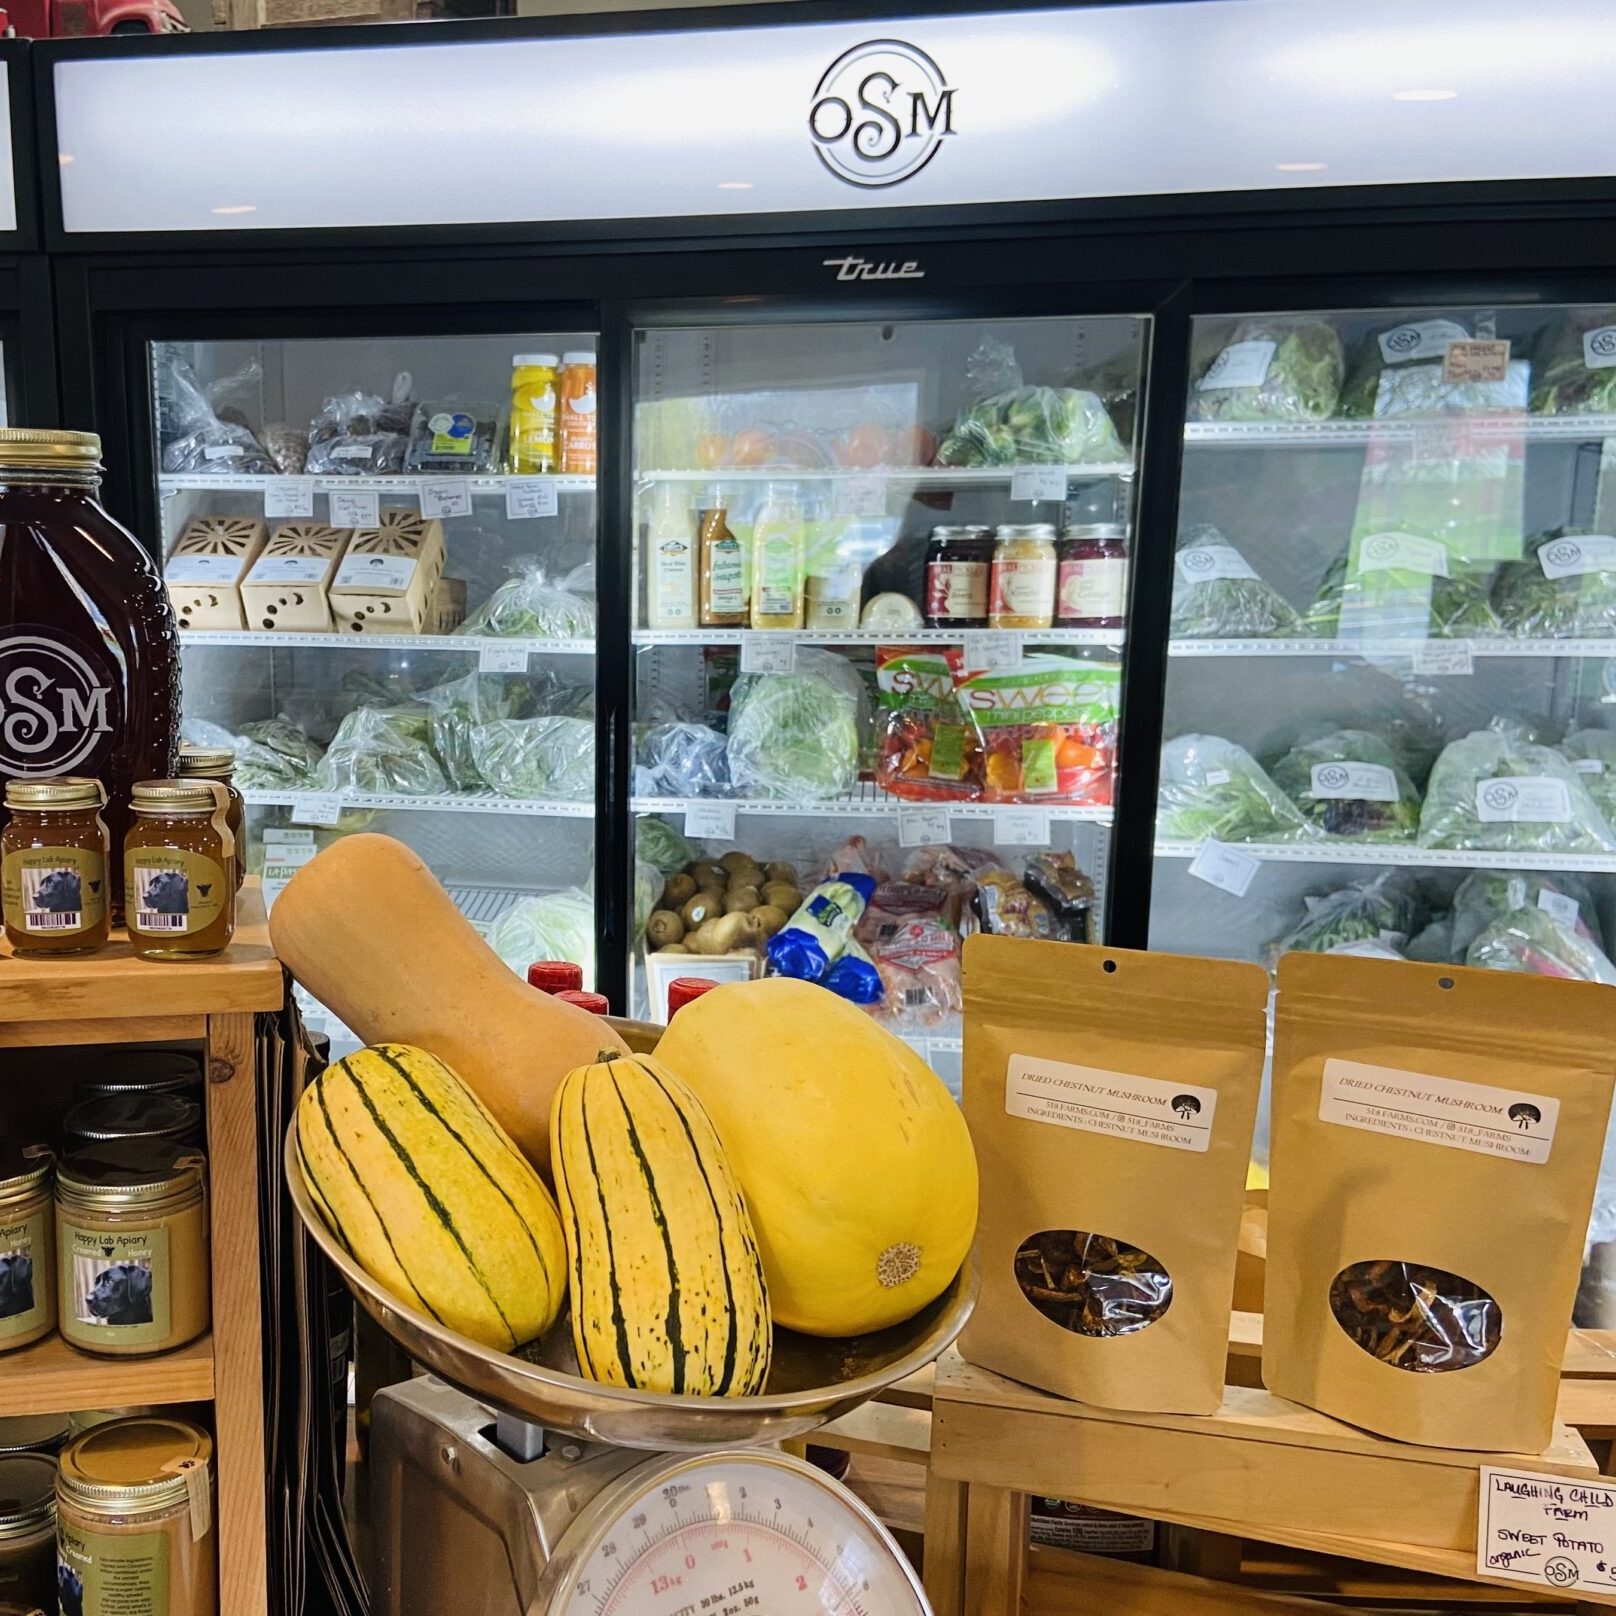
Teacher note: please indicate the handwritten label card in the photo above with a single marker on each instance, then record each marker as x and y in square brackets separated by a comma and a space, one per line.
[710, 821]
[502, 659]
[1547, 1530]
[289, 497]
[922, 827]
[354, 510]
[1225, 867]
[1486, 360]
[1038, 483]
[317, 808]
[451, 497]
[530, 497]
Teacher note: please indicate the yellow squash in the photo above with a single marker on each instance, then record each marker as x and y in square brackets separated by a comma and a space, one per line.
[430, 1195]
[667, 1290]
[854, 1159]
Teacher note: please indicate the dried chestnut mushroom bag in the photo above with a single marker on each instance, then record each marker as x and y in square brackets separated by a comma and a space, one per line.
[1111, 1097]
[1436, 1142]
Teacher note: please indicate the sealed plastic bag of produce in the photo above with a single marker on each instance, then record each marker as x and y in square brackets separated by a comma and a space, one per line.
[533, 606]
[553, 926]
[1055, 426]
[382, 749]
[1212, 789]
[1593, 756]
[1217, 593]
[1045, 731]
[1576, 366]
[536, 757]
[450, 435]
[1380, 911]
[1491, 791]
[1359, 597]
[1401, 370]
[1271, 369]
[1530, 940]
[926, 748]
[459, 705]
[357, 434]
[795, 736]
[273, 754]
[1564, 587]
[684, 760]
[211, 435]
[813, 939]
[658, 844]
[1485, 896]
[1350, 783]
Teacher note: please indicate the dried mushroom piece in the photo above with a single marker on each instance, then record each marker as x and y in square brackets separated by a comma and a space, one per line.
[1413, 1317]
[1091, 1284]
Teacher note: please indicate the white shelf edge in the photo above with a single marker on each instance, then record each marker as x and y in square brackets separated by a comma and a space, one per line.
[1401, 429]
[1108, 638]
[1436, 858]
[869, 803]
[467, 644]
[399, 483]
[460, 803]
[926, 476]
[1279, 646]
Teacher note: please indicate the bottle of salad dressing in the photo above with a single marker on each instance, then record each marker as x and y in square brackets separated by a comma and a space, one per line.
[779, 545]
[670, 551]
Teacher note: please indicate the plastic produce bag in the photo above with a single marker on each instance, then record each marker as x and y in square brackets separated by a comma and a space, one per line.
[357, 435]
[1350, 783]
[1271, 370]
[1053, 426]
[213, 438]
[531, 606]
[1491, 791]
[554, 926]
[1575, 371]
[459, 705]
[1563, 588]
[1530, 940]
[1399, 371]
[536, 757]
[449, 436]
[1043, 732]
[1379, 911]
[795, 736]
[1485, 896]
[273, 754]
[1395, 603]
[685, 760]
[1217, 593]
[1593, 756]
[1211, 788]
[382, 749]
[658, 844]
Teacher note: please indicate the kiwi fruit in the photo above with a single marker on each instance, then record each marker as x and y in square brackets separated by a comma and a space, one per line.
[781, 872]
[702, 907]
[678, 892]
[707, 874]
[781, 895]
[769, 917]
[673, 948]
[734, 932]
[663, 927]
[741, 899]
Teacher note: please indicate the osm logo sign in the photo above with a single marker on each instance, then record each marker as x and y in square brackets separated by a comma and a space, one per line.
[58, 709]
[881, 111]
[1500, 795]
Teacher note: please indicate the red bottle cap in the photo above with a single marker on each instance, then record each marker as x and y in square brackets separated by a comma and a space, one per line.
[597, 1004]
[555, 976]
[682, 989]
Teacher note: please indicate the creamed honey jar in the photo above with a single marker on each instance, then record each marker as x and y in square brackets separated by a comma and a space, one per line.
[179, 870]
[219, 763]
[53, 866]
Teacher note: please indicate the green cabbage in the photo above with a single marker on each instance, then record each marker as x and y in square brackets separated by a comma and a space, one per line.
[657, 843]
[1055, 426]
[552, 926]
[793, 736]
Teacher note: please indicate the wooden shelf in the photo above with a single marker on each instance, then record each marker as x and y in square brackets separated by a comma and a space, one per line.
[51, 1377]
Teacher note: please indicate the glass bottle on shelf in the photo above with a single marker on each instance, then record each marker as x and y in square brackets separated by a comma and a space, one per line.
[577, 415]
[218, 763]
[835, 588]
[958, 562]
[723, 573]
[533, 413]
[670, 548]
[1022, 583]
[53, 867]
[179, 870]
[1092, 576]
[779, 544]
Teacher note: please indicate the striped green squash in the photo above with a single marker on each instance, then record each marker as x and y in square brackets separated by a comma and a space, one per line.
[667, 1287]
[428, 1193]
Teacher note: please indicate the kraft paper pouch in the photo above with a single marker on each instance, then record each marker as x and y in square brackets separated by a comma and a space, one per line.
[1111, 1097]
[1437, 1135]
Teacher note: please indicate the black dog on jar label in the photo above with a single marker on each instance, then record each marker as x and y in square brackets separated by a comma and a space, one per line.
[16, 1284]
[166, 894]
[69, 1590]
[122, 1294]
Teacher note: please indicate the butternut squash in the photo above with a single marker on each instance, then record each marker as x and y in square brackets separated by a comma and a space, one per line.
[368, 930]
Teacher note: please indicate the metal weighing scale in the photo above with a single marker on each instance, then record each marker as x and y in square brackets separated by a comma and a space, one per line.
[504, 1487]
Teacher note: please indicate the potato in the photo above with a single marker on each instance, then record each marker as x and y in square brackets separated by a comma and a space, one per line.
[779, 871]
[663, 927]
[781, 895]
[770, 918]
[707, 874]
[741, 899]
[678, 892]
[703, 907]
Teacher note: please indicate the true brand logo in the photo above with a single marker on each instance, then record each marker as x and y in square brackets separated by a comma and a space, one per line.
[56, 706]
[862, 269]
[880, 113]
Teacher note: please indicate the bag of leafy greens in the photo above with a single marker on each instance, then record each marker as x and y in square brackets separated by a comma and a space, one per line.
[795, 736]
[1400, 371]
[1488, 895]
[1492, 791]
[1212, 789]
[1217, 594]
[458, 706]
[1272, 369]
[533, 606]
[1055, 426]
[1354, 602]
[1530, 940]
[536, 757]
[1350, 783]
[382, 749]
[1564, 588]
[1576, 365]
[1380, 910]
[273, 754]
[658, 844]
[1593, 756]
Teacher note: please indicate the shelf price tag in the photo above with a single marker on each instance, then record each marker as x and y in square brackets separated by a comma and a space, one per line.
[529, 497]
[1444, 656]
[861, 496]
[451, 497]
[1039, 484]
[1484, 360]
[710, 821]
[1021, 827]
[289, 497]
[355, 510]
[317, 808]
[502, 659]
[1553, 1531]
[768, 652]
[991, 650]
[1225, 867]
[922, 827]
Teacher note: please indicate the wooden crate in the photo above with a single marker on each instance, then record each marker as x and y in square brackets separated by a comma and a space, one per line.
[113, 998]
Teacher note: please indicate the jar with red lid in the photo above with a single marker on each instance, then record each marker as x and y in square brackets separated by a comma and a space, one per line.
[597, 1004]
[1092, 576]
[555, 976]
[682, 989]
[958, 563]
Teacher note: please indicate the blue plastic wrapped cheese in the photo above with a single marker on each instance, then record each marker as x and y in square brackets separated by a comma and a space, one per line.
[854, 976]
[819, 932]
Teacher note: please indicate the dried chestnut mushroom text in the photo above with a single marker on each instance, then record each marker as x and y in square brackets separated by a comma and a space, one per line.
[1091, 1284]
[1417, 1318]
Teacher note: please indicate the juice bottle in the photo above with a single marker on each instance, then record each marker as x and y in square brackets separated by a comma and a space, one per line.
[577, 415]
[533, 414]
[670, 560]
[723, 573]
[779, 544]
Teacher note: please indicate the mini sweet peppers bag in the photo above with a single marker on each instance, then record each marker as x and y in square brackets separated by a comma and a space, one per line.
[1436, 1141]
[1111, 1097]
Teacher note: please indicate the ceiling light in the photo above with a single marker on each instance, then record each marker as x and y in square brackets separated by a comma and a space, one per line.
[64, 158]
[1300, 168]
[238, 207]
[735, 185]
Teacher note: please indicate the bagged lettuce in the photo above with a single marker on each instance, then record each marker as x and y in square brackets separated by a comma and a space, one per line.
[1593, 756]
[532, 605]
[795, 736]
[459, 705]
[384, 750]
[1532, 941]
[1354, 601]
[552, 926]
[1350, 783]
[1217, 593]
[1576, 365]
[1056, 426]
[536, 757]
[1486, 896]
[658, 844]
[1380, 911]
[273, 754]
[1212, 789]
[1272, 369]
[1563, 588]
[1399, 371]
[1494, 791]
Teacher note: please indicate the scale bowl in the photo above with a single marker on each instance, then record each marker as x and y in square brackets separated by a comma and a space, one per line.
[811, 1382]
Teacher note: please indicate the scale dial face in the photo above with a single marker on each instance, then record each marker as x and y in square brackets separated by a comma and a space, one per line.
[732, 1534]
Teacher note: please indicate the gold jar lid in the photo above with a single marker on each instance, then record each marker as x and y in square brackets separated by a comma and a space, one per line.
[27, 1494]
[33, 1433]
[24, 1168]
[132, 1465]
[123, 1173]
[47, 449]
[62, 791]
[171, 797]
[205, 761]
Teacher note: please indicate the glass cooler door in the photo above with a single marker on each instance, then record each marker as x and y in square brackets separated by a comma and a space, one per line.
[880, 603]
[381, 555]
[1389, 716]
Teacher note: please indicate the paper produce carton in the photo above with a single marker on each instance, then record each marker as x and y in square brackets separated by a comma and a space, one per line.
[288, 585]
[386, 581]
[204, 570]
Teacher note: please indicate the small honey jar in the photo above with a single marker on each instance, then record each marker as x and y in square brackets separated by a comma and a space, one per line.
[179, 870]
[53, 866]
[218, 763]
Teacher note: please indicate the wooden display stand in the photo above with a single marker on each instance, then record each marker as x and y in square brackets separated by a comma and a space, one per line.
[113, 998]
